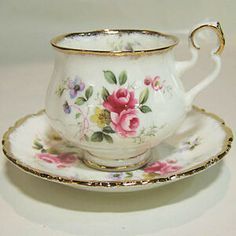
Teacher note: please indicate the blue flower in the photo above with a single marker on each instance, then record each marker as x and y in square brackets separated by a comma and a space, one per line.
[75, 86]
[66, 108]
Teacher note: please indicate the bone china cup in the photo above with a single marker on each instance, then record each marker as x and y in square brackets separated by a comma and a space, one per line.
[117, 93]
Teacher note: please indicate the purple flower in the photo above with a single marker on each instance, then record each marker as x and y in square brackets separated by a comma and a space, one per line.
[66, 108]
[75, 86]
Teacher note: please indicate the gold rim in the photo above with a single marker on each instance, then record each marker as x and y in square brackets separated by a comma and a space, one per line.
[54, 43]
[94, 183]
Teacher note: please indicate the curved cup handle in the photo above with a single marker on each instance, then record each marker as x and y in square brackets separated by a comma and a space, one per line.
[182, 66]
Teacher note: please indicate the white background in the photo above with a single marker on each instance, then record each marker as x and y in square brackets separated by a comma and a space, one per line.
[200, 205]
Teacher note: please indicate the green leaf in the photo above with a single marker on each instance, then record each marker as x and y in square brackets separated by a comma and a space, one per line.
[108, 130]
[105, 93]
[129, 174]
[60, 91]
[110, 77]
[145, 109]
[122, 77]
[89, 92]
[108, 138]
[116, 175]
[97, 137]
[144, 96]
[80, 101]
[77, 115]
[37, 145]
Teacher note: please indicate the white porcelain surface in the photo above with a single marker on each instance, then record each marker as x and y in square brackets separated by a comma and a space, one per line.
[200, 205]
[107, 103]
[201, 141]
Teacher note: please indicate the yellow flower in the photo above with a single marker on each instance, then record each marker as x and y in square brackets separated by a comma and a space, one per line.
[101, 117]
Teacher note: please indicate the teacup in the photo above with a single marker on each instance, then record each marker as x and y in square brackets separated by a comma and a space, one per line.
[117, 93]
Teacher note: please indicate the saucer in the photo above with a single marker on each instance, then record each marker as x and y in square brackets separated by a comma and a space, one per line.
[201, 141]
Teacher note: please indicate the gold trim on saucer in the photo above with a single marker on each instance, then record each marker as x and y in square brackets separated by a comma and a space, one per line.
[69, 50]
[95, 183]
[217, 29]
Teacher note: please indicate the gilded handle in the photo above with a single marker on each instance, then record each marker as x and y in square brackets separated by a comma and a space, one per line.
[204, 83]
[217, 29]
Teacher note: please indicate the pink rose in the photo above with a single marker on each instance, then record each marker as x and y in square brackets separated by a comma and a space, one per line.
[60, 160]
[156, 85]
[161, 167]
[147, 80]
[125, 123]
[119, 100]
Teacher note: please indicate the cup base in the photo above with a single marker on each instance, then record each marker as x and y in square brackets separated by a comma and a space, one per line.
[116, 165]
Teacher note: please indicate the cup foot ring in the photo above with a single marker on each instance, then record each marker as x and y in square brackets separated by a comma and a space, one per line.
[133, 163]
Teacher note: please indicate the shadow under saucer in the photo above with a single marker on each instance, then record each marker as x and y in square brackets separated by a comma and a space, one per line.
[79, 200]
[77, 212]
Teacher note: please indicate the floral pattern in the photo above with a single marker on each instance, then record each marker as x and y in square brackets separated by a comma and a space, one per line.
[144, 133]
[60, 154]
[60, 160]
[118, 109]
[154, 82]
[54, 152]
[120, 100]
[54, 156]
[119, 112]
[66, 108]
[78, 95]
[190, 145]
[120, 175]
[35, 136]
[162, 167]
[125, 123]
[101, 117]
[75, 86]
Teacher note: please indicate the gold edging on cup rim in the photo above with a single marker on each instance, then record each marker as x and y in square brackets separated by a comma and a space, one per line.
[68, 50]
[95, 183]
